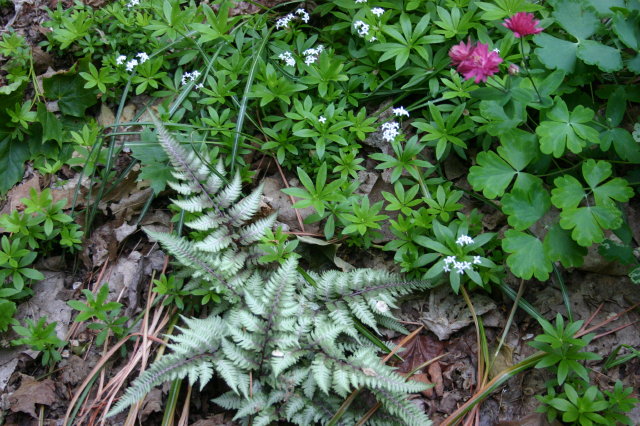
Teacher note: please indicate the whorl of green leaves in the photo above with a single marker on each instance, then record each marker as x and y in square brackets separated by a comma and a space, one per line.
[288, 349]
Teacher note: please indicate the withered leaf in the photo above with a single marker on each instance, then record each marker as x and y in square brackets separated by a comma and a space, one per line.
[32, 392]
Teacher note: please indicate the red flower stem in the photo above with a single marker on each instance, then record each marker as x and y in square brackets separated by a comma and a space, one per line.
[526, 69]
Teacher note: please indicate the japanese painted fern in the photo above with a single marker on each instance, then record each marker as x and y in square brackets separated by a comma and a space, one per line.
[286, 346]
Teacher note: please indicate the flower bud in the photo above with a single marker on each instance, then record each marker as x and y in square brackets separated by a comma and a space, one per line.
[513, 69]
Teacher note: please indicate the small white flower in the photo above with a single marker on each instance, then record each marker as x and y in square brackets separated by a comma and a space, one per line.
[378, 11]
[121, 60]
[361, 28]
[287, 57]
[464, 240]
[143, 57]
[496, 50]
[372, 39]
[186, 77]
[361, 1]
[199, 86]
[132, 64]
[303, 15]
[382, 306]
[284, 21]
[190, 76]
[446, 268]
[277, 353]
[133, 3]
[390, 130]
[311, 54]
[449, 259]
[476, 260]
[322, 119]
[400, 111]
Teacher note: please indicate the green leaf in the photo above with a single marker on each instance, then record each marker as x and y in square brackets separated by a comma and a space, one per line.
[525, 206]
[560, 247]
[500, 121]
[616, 189]
[32, 274]
[588, 223]
[492, 174]
[68, 89]
[51, 125]
[158, 174]
[606, 58]
[566, 130]
[148, 150]
[560, 404]
[527, 256]
[623, 143]
[634, 275]
[627, 29]
[555, 53]
[614, 251]
[13, 155]
[518, 148]
[603, 7]
[568, 192]
[579, 21]
[7, 309]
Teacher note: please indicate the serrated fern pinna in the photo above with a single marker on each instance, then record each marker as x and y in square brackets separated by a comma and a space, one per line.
[287, 349]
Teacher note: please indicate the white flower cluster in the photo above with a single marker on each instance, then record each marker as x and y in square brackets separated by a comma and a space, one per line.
[130, 65]
[463, 240]
[390, 130]
[190, 76]
[133, 3]
[287, 57]
[311, 55]
[361, 28]
[378, 11]
[284, 21]
[400, 111]
[460, 267]
[304, 16]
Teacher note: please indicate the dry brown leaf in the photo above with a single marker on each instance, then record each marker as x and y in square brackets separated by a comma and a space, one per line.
[418, 351]
[20, 191]
[423, 378]
[152, 404]
[32, 392]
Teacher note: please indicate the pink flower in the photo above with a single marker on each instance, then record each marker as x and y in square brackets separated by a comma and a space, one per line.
[522, 24]
[460, 52]
[480, 63]
[513, 69]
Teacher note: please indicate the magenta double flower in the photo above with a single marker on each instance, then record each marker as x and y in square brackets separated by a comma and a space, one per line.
[522, 24]
[475, 61]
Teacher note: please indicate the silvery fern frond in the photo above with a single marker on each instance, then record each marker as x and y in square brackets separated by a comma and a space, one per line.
[192, 355]
[286, 342]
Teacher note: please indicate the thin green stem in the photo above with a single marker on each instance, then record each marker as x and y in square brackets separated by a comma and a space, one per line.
[526, 68]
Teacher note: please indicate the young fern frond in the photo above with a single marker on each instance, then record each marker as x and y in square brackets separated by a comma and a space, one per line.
[192, 354]
[287, 349]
